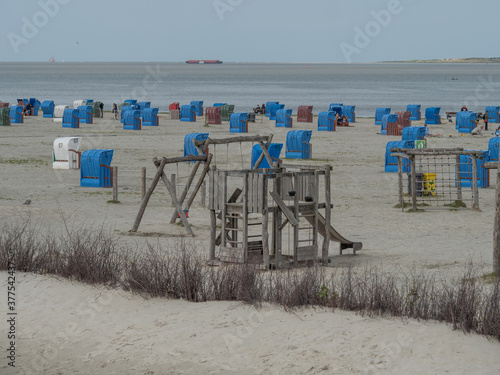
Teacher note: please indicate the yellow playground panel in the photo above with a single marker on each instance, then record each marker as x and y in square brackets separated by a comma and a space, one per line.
[430, 184]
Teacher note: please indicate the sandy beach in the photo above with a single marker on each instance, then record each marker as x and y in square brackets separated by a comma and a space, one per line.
[67, 327]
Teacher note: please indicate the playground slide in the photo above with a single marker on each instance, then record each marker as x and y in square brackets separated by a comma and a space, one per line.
[334, 235]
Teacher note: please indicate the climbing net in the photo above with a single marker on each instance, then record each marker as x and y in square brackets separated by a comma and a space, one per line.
[440, 179]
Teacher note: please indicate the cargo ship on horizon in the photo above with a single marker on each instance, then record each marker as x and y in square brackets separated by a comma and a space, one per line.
[203, 61]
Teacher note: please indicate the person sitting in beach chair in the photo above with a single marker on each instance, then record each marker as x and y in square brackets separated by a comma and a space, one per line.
[27, 111]
[344, 121]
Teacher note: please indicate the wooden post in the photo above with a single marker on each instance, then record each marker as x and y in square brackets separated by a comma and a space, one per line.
[143, 182]
[400, 181]
[213, 234]
[244, 218]
[145, 200]
[174, 186]
[316, 201]
[222, 196]
[265, 218]
[328, 215]
[203, 194]
[496, 233]
[475, 190]
[413, 183]
[459, 178]
[277, 231]
[298, 194]
[115, 183]
[200, 181]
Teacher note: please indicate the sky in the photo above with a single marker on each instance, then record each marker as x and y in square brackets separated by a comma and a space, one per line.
[292, 31]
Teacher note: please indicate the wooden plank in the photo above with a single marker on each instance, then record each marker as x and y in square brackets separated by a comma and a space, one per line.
[496, 232]
[222, 198]
[326, 240]
[289, 214]
[316, 199]
[305, 253]
[262, 192]
[225, 141]
[180, 159]
[491, 165]
[246, 182]
[296, 213]
[265, 221]
[255, 193]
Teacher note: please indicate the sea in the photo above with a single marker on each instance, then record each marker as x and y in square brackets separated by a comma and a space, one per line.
[366, 86]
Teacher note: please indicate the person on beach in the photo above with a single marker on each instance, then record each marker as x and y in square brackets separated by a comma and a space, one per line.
[115, 111]
[27, 110]
[101, 107]
[485, 119]
[477, 129]
[464, 108]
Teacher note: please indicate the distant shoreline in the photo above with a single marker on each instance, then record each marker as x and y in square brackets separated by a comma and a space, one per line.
[467, 60]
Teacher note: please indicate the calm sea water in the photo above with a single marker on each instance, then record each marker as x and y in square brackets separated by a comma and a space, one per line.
[367, 86]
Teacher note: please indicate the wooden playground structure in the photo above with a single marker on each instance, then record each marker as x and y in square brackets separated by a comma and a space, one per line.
[269, 217]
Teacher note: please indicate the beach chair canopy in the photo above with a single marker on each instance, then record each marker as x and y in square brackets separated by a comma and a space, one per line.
[238, 122]
[59, 110]
[326, 121]
[465, 167]
[380, 113]
[298, 144]
[284, 118]
[413, 133]
[274, 151]
[189, 147]
[391, 162]
[65, 153]
[493, 148]
[95, 170]
[466, 121]
[305, 113]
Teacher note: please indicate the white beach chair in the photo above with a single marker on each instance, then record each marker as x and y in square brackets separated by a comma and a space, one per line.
[65, 154]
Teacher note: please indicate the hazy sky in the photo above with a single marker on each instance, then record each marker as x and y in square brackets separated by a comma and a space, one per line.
[248, 30]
